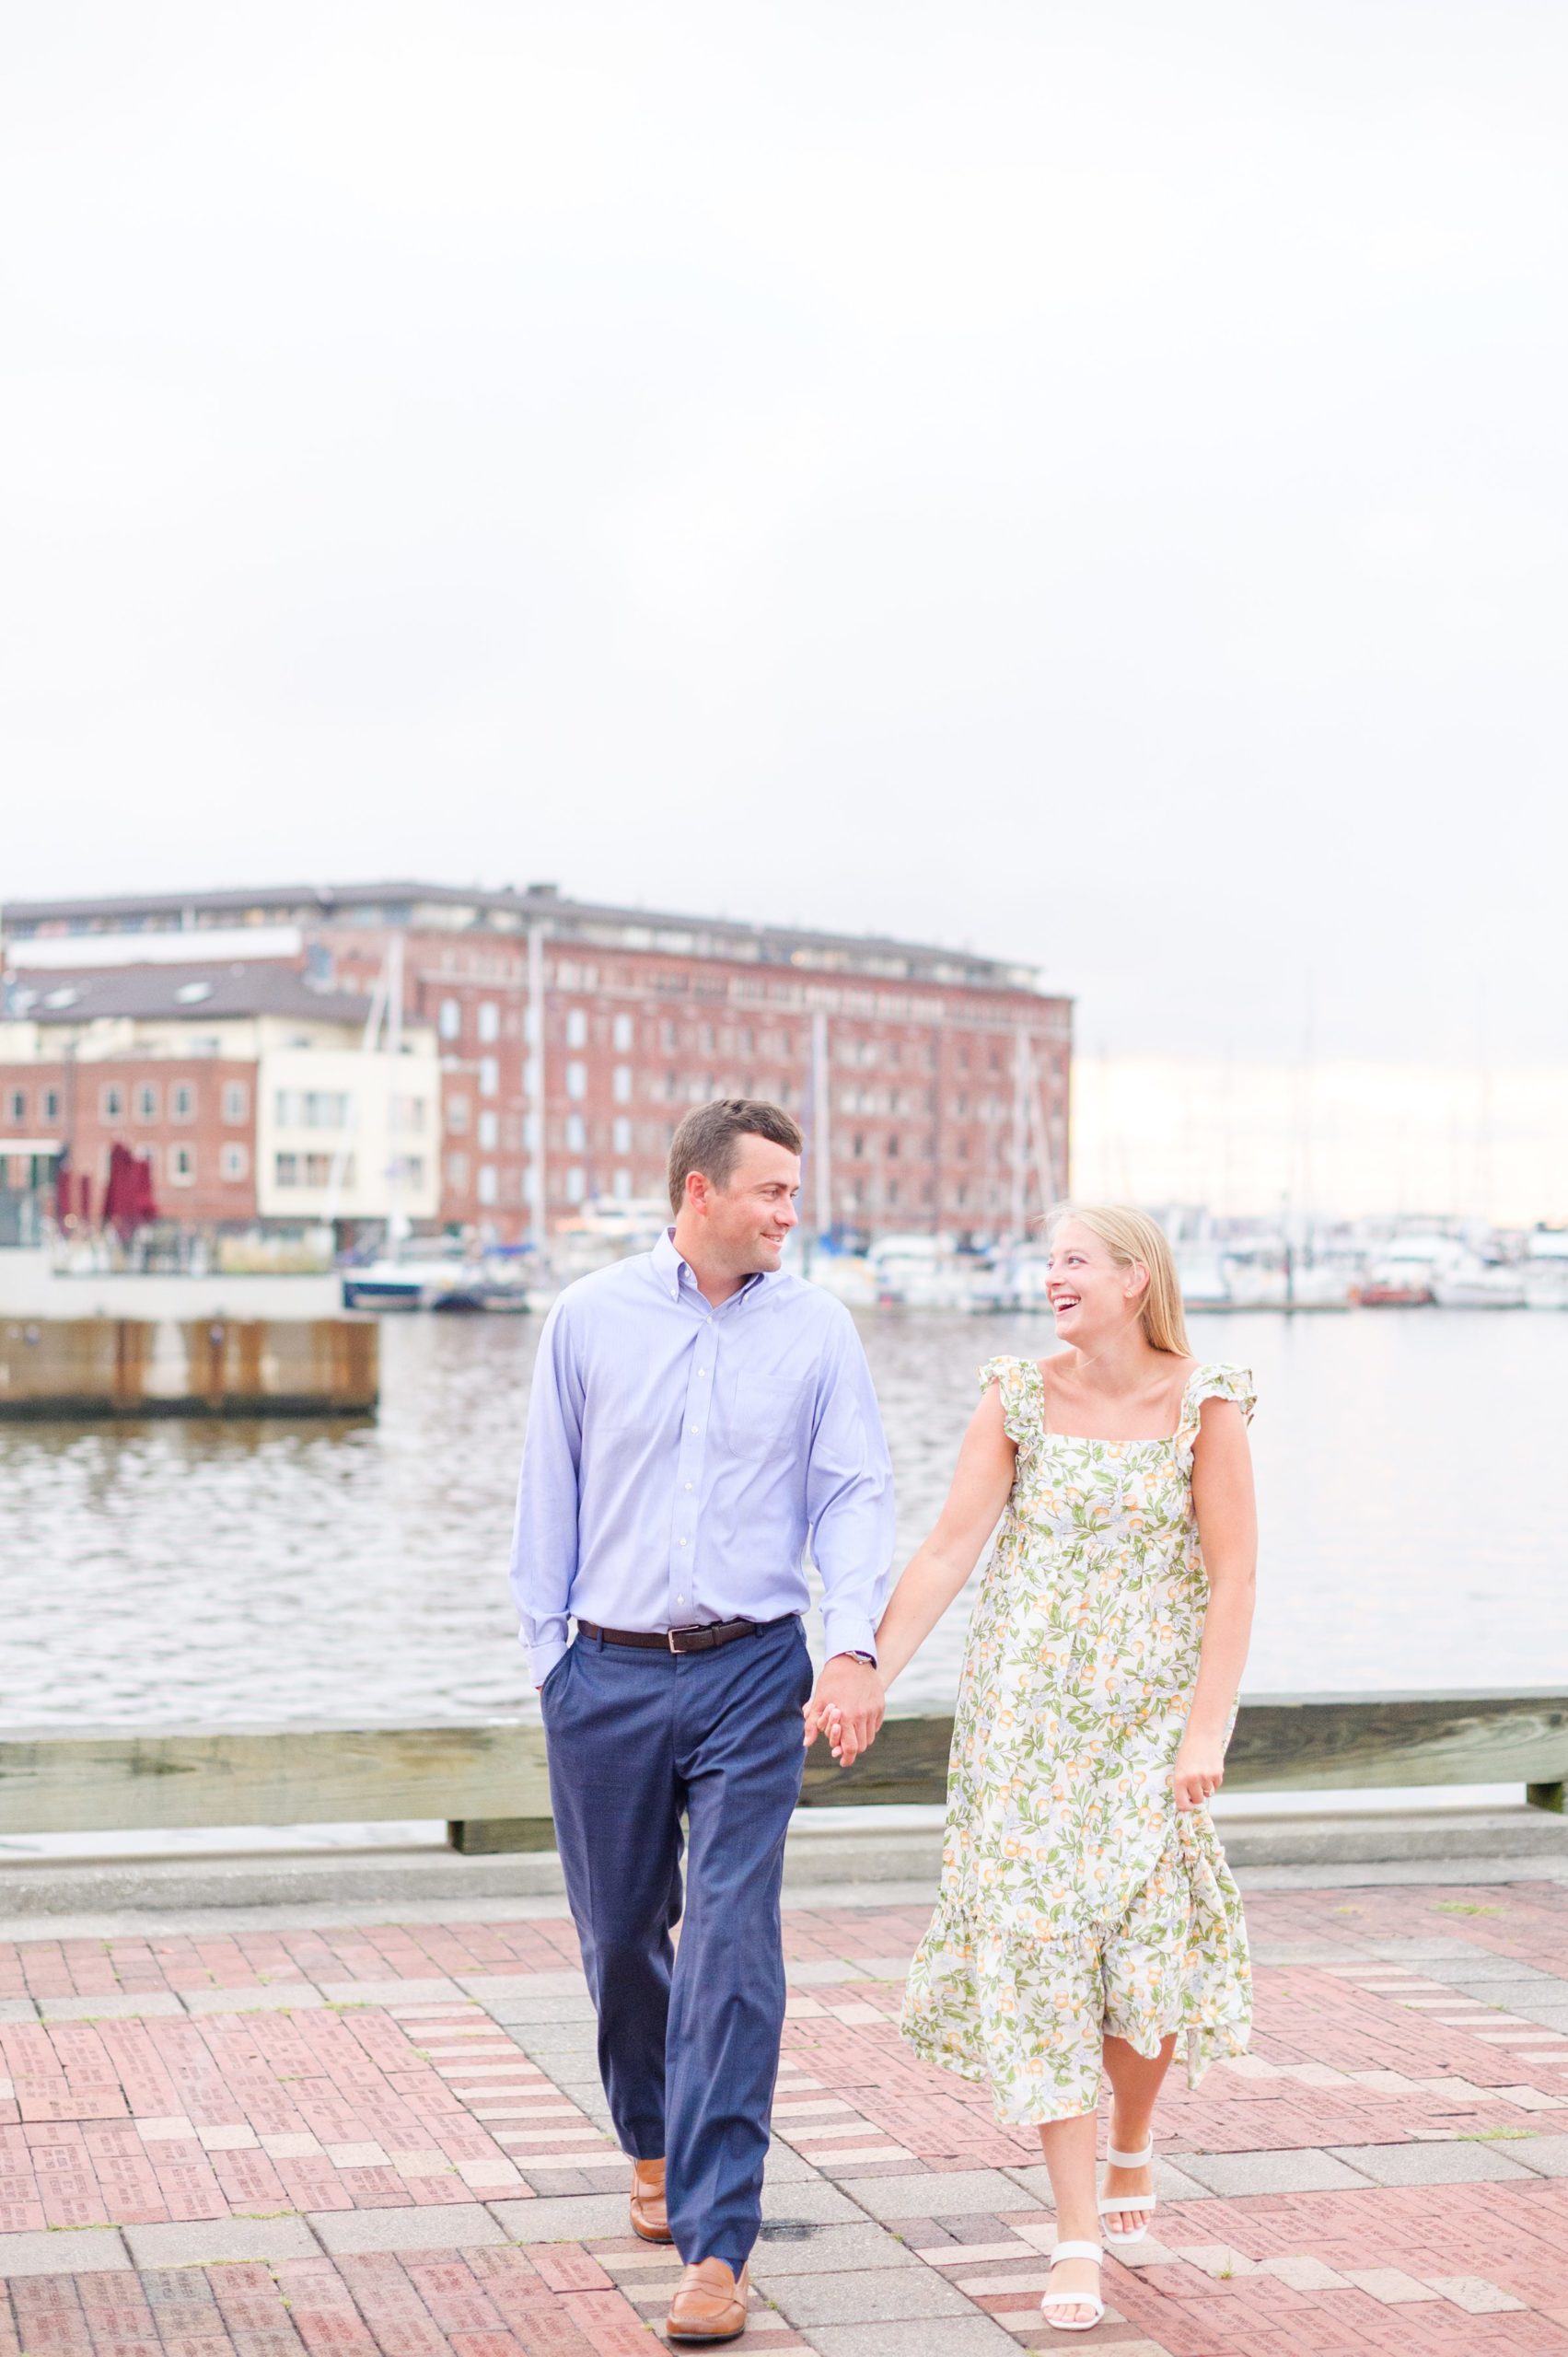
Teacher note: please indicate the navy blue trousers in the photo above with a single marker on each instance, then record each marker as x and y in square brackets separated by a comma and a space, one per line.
[687, 2039]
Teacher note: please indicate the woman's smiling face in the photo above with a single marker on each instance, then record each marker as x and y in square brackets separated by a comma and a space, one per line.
[1091, 1293]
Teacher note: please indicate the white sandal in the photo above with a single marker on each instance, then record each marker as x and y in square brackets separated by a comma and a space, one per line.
[1110, 2203]
[1073, 2299]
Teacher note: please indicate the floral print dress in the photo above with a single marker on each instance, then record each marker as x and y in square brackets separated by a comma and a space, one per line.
[1075, 1898]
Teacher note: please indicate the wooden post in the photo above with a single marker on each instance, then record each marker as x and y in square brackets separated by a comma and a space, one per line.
[488, 1836]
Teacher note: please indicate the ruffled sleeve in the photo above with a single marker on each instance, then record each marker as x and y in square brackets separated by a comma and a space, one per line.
[1018, 1381]
[1212, 1383]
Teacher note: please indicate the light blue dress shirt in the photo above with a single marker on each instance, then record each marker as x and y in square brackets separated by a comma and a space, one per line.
[677, 1457]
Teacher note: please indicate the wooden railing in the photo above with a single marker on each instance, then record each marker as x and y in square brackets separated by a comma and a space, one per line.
[489, 1782]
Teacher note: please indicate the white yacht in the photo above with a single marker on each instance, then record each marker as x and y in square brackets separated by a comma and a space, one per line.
[1466, 1282]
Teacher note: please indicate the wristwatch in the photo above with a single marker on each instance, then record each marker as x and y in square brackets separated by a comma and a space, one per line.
[853, 1652]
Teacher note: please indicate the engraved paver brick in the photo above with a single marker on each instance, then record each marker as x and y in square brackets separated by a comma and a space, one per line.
[327, 2072]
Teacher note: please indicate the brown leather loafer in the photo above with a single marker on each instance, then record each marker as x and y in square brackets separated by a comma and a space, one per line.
[649, 2217]
[710, 2304]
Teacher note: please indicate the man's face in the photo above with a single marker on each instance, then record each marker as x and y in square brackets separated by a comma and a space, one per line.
[748, 1219]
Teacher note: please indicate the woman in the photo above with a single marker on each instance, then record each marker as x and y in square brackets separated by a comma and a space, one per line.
[1088, 1916]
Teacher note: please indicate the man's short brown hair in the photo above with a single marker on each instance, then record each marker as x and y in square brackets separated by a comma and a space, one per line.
[709, 1140]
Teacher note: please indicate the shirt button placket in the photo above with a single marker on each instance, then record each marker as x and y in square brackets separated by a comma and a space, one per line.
[693, 1439]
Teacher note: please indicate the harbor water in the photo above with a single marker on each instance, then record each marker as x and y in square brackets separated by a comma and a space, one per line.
[266, 1574]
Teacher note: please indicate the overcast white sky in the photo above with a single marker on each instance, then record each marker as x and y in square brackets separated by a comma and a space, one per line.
[1080, 478]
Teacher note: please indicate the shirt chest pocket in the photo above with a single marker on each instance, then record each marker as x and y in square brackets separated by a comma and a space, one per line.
[762, 1413]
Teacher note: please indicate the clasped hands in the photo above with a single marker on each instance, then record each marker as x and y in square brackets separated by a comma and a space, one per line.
[846, 1706]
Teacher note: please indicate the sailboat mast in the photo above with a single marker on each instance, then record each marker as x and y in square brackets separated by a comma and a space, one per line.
[536, 1091]
[1021, 1173]
[395, 1220]
[821, 1143]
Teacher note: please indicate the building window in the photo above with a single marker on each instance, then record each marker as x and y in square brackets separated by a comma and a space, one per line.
[182, 1101]
[307, 1169]
[857, 1145]
[234, 1162]
[52, 1104]
[576, 1133]
[489, 1192]
[622, 1034]
[489, 1020]
[577, 1080]
[182, 1165]
[622, 1084]
[235, 1101]
[489, 1131]
[622, 1135]
[576, 1027]
[413, 1169]
[622, 1185]
[457, 1171]
[489, 1076]
[893, 1146]
[575, 1187]
[407, 1115]
[314, 1108]
[450, 1022]
[19, 1104]
[145, 1101]
[667, 1037]
[457, 1114]
[111, 1103]
[530, 1133]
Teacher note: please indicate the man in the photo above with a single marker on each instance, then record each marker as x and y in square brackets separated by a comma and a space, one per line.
[696, 1413]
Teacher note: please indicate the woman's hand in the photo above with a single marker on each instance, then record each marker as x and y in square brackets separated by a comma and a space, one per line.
[1200, 1770]
[847, 1706]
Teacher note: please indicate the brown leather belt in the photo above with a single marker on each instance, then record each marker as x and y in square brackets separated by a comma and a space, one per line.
[700, 1638]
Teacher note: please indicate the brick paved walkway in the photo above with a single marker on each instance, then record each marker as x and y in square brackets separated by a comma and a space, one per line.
[334, 2144]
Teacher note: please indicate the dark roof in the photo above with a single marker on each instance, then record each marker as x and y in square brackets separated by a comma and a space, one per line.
[186, 992]
[398, 897]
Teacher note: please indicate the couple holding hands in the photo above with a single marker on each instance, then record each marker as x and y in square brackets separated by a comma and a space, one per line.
[697, 1417]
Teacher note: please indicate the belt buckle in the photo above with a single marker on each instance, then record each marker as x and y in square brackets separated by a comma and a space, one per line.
[686, 1629]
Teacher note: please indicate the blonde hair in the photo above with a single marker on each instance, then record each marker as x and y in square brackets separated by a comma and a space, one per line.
[1129, 1235]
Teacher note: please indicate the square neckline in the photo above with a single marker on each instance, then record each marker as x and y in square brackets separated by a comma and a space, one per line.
[1093, 1440]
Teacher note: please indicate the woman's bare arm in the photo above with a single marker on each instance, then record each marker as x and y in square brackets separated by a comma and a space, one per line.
[983, 1481]
[1227, 1530]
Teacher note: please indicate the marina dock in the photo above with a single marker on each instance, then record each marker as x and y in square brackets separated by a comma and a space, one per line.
[97, 1367]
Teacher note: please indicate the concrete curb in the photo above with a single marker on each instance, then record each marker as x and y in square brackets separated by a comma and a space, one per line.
[844, 1864]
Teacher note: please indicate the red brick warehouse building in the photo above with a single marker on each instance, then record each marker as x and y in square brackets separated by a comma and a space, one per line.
[932, 1084]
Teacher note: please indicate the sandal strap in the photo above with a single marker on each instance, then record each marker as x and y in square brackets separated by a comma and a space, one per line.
[1109, 2204]
[1130, 2160]
[1077, 2250]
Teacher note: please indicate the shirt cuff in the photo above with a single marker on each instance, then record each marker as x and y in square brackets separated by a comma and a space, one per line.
[849, 1632]
[543, 1657]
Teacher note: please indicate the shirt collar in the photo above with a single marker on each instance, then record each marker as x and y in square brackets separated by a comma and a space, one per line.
[673, 1271]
